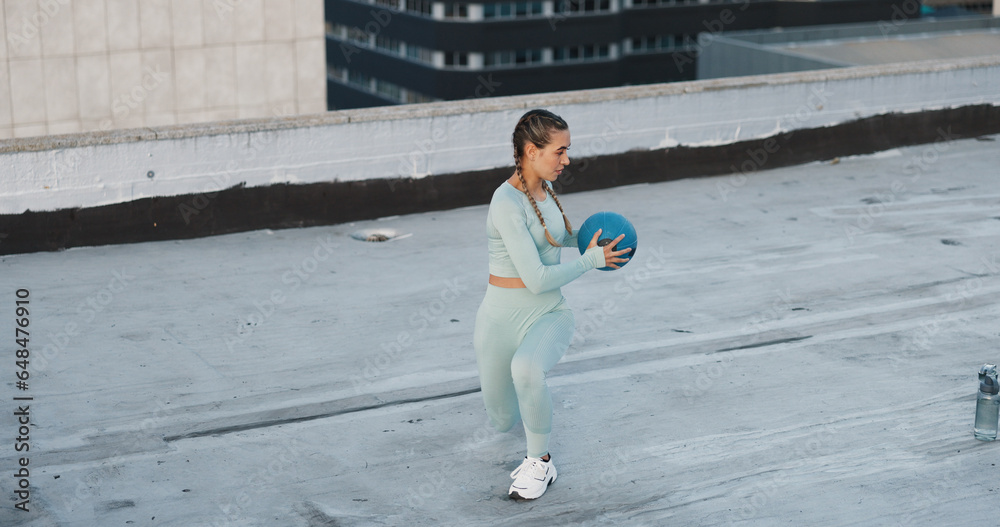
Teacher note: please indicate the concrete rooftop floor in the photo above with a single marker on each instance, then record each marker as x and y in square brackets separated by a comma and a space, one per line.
[799, 347]
[903, 49]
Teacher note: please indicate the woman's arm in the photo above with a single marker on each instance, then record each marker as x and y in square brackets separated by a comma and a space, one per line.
[510, 220]
[571, 239]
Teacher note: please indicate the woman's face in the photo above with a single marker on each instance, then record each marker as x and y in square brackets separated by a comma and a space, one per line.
[549, 162]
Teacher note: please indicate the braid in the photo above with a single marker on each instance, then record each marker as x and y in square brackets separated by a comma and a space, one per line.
[569, 227]
[524, 187]
[535, 126]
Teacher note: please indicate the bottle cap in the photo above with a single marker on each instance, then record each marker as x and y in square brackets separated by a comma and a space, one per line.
[989, 386]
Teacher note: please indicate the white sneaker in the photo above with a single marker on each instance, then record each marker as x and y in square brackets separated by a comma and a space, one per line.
[532, 478]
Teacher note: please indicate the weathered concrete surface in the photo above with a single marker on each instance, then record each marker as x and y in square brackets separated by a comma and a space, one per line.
[796, 347]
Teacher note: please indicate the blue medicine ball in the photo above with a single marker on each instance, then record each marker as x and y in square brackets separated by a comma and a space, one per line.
[613, 224]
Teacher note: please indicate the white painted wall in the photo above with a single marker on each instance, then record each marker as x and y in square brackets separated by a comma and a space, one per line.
[86, 170]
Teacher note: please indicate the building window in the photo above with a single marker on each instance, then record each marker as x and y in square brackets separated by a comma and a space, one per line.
[388, 4]
[665, 3]
[569, 7]
[357, 36]
[419, 54]
[382, 88]
[585, 52]
[389, 45]
[410, 97]
[388, 90]
[336, 73]
[419, 7]
[359, 79]
[456, 59]
[456, 11]
[512, 9]
[521, 57]
[660, 43]
[651, 44]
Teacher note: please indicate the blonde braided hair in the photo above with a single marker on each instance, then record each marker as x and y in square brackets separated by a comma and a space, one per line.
[535, 126]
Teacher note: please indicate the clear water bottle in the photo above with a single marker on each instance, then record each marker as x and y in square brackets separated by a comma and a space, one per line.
[987, 404]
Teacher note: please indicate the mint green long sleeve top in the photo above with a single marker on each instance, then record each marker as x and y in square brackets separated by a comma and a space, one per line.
[517, 244]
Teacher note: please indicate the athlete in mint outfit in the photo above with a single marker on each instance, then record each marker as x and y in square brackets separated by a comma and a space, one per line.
[523, 325]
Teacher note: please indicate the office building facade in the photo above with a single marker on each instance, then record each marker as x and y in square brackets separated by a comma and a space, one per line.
[384, 52]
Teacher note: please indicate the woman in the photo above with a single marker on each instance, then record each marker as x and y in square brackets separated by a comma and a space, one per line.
[523, 326]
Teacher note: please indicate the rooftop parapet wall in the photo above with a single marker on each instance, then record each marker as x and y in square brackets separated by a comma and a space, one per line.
[881, 30]
[758, 52]
[172, 176]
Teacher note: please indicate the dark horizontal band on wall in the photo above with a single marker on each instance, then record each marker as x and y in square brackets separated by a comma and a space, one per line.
[280, 206]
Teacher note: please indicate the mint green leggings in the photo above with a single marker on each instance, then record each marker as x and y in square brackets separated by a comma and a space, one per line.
[519, 337]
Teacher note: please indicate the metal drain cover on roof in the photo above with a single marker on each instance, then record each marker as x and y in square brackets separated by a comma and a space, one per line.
[376, 235]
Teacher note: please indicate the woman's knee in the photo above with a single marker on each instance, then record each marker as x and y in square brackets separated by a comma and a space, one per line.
[502, 421]
[526, 373]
